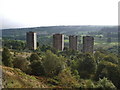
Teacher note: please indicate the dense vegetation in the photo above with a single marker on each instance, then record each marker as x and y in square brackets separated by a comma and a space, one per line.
[68, 68]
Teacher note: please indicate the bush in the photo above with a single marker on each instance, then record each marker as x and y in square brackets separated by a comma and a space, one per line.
[105, 84]
[87, 84]
[67, 79]
[76, 74]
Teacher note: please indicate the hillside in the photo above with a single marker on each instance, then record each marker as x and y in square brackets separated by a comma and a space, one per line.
[15, 78]
[21, 32]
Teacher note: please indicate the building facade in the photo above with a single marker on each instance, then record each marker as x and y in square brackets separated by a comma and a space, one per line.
[88, 44]
[58, 41]
[31, 39]
[73, 42]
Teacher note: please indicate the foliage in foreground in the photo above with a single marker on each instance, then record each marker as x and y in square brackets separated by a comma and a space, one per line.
[15, 78]
[105, 83]
[77, 71]
[7, 57]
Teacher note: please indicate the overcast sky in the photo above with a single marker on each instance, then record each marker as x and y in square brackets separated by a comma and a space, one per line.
[32, 13]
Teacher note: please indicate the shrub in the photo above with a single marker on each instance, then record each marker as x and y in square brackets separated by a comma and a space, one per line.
[87, 84]
[67, 79]
[105, 84]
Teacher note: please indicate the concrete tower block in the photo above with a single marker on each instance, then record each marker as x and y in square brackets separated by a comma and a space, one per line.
[88, 44]
[73, 42]
[31, 39]
[58, 41]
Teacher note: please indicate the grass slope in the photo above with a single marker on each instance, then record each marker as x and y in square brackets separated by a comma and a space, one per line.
[15, 78]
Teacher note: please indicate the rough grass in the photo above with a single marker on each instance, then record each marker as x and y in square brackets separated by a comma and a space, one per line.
[15, 78]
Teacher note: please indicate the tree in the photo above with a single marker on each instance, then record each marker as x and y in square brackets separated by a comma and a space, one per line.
[14, 44]
[87, 67]
[7, 57]
[34, 56]
[111, 58]
[22, 63]
[53, 64]
[74, 65]
[44, 48]
[37, 68]
[98, 56]
[110, 71]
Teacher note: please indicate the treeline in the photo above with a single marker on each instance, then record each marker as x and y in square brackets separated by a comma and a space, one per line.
[69, 68]
[50, 30]
[14, 44]
[45, 43]
[106, 32]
